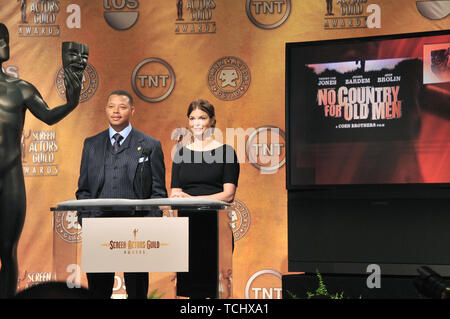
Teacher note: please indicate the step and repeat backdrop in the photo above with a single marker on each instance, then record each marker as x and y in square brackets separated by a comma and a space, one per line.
[167, 54]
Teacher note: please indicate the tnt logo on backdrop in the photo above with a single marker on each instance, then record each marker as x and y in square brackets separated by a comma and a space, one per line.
[264, 284]
[265, 149]
[268, 14]
[153, 80]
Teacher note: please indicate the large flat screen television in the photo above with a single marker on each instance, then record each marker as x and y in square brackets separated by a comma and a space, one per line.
[370, 114]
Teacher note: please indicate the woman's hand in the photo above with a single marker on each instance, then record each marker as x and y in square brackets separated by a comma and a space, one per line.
[179, 194]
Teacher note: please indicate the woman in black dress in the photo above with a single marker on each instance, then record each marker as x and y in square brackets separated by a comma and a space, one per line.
[209, 169]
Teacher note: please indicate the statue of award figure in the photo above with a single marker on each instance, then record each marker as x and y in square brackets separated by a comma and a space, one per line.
[16, 96]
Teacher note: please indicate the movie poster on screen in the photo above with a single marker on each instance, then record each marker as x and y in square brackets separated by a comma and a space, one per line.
[360, 100]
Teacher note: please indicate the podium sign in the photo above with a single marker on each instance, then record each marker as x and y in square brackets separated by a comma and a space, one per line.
[138, 244]
[135, 245]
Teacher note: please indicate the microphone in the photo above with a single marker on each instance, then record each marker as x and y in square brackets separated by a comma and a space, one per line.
[146, 151]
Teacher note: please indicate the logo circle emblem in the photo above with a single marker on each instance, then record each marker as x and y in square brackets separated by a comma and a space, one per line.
[259, 274]
[156, 81]
[228, 78]
[121, 20]
[273, 9]
[240, 219]
[265, 149]
[89, 83]
[67, 226]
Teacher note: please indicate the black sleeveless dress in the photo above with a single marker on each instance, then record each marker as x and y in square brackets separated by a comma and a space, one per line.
[202, 173]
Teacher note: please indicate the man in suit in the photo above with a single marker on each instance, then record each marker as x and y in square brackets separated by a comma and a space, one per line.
[120, 162]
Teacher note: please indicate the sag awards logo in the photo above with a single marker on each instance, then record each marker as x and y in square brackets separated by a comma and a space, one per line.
[153, 80]
[30, 279]
[264, 284]
[434, 9]
[228, 78]
[266, 149]
[351, 14]
[38, 153]
[67, 226]
[121, 14]
[195, 17]
[38, 18]
[268, 14]
[133, 247]
[89, 83]
[239, 219]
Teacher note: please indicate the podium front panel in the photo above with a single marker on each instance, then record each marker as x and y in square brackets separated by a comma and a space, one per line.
[136, 244]
[69, 257]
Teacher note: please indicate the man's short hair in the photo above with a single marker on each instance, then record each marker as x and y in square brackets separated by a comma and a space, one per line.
[122, 92]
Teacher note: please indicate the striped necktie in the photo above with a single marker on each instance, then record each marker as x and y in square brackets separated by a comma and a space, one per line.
[117, 138]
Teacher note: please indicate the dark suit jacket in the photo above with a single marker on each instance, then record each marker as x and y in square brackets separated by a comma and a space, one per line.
[147, 176]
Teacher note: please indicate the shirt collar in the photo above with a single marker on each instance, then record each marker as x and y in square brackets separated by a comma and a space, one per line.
[125, 132]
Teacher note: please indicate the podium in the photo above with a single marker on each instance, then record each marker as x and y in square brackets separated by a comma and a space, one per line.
[136, 236]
